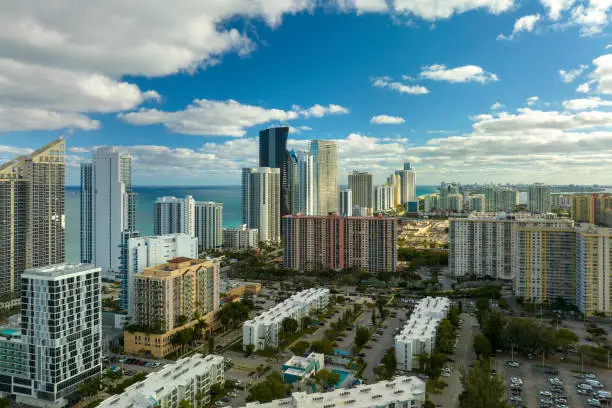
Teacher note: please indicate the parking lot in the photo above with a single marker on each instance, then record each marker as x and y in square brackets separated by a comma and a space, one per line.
[550, 386]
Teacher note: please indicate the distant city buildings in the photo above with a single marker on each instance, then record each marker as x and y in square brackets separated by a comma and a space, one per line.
[209, 224]
[273, 154]
[240, 238]
[418, 336]
[346, 202]
[313, 243]
[594, 270]
[407, 181]
[325, 160]
[561, 201]
[107, 208]
[264, 330]
[401, 392]
[186, 379]
[62, 340]
[173, 215]
[362, 186]
[396, 181]
[501, 199]
[591, 208]
[32, 220]
[431, 202]
[261, 201]
[477, 202]
[383, 198]
[540, 199]
[145, 252]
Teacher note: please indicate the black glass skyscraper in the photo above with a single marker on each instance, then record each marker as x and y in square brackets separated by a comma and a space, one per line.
[273, 153]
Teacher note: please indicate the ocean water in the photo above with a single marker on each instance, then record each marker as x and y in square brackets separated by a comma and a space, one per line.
[230, 196]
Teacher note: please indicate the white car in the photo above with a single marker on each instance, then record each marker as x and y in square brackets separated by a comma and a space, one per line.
[547, 394]
[592, 402]
[513, 364]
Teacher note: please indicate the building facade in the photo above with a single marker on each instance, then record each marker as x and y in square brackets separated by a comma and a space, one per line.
[419, 334]
[264, 330]
[501, 199]
[325, 159]
[590, 208]
[346, 202]
[108, 208]
[401, 392]
[431, 202]
[308, 186]
[261, 192]
[240, 238]
[173, 215]
[539, 198]
[407, 181]
[273, 154]
[477, 202]
[396, 181]
[145, 252]
[543, 261]
[362, 186]
[169, 294]
[383, 197]
[64, 337]
[187, 379]
[32, 220]
[594, 270]
[209, 224]
[313, 243]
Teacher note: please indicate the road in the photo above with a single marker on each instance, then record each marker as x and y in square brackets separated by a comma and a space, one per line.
[379, 348]
[463, 356]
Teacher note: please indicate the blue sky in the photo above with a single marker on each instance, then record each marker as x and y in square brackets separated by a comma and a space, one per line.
[468, 90]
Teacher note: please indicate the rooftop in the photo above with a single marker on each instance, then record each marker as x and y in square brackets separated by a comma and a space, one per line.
[55, 271]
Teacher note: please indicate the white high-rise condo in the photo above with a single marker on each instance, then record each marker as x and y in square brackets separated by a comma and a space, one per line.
[346, 202]
[408, 183]
[325, 159]
[308, 184]
[209, 224]
[63, 337]
[240, 238]
[173, 215]
[383, 197]
[540, 198]
[144, 252]
[32, 218]
[107, 208]
[261, 201]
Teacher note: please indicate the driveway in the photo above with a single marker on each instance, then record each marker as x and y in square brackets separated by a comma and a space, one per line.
[379, 348]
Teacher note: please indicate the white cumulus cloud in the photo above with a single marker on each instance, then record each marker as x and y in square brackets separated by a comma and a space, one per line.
[387, 82]
[556, 7]
[524, 24]
[466, 73]
[586, 103]
[497, 106]
[387, 120]
[568, 76]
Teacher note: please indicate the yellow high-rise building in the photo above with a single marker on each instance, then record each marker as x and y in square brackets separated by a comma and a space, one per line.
[594, 270]
[590, 208]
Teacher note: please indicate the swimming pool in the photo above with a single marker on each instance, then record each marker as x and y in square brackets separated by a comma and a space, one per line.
[342, 374]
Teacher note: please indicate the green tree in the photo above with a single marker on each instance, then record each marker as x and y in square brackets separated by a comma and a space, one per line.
[306, 321]
[249, 350]
[4, 403]
[493, 327]
[322, 346]
[326, 378]
[270, 389]
[290, 327]
[216, 389]
[211, 343]
[90, 388]
[362, 336]
[566, 339]
[200, 399]
[446, 336]
[300, 348]
[481, 389]
[389, 364]
[185, 403]
[482, 347]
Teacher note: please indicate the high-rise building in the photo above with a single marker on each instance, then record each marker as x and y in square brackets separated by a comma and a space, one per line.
[563, 201]
[261, 201]
[383, 197]
[543, 261]
[362, 186]
[107, 208]
[594, 270]
[396, 181]
[477, 202]
[431, 202]
[446, 190]
[173, 215]
[482, 244]
[240, 238]
[590, 208]
[308, 184]
[145, 252]
[273, 154]
[208, 222]
[454, 202]
[293, 176]
[346, 202]
[407, 183]
[313, 243]
[501, 199]
[325, 159]
[169, 294]
[540, 200]
[32, 217]
[63, 338]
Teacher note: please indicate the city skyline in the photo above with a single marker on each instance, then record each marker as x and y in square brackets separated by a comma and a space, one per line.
[495, 104]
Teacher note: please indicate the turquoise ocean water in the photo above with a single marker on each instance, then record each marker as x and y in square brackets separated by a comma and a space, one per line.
[230, 196]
